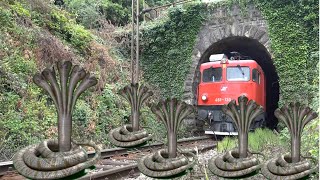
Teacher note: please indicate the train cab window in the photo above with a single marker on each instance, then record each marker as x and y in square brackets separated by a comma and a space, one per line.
[212, 75]
[238, 73]
[256, 76]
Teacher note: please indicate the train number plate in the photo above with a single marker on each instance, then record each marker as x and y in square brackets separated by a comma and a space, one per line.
[222, 99]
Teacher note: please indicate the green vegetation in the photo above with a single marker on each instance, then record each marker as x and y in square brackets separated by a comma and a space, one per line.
[293, 28]
[72, 32]
[261, 140]
[35, 34]
[27, 45]
[167, 48]
[90, 13]
[226, 144]
[267, 142]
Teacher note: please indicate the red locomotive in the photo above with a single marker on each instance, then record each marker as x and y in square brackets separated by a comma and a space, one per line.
[224, 79]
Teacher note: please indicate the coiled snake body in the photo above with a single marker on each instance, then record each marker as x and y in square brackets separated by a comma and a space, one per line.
[158, 165]
[280, 168]
[124, 137]
[41, 162]
[229, 165]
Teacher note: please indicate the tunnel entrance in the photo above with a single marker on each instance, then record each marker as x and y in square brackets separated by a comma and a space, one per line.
[253, 48]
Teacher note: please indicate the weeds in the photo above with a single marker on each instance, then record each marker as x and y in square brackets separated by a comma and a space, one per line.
[261, 140]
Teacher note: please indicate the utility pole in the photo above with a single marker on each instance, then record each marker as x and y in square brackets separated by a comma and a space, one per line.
[144, 7]
[135, 42]
[132, 43]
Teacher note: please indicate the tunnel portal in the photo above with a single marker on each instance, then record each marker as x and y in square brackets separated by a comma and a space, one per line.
[253, 48]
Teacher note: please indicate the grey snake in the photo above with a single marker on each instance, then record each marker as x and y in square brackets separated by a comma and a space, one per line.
[125, 137]
[280, 168]
[229, 165]
[159, 165]
[42, 162]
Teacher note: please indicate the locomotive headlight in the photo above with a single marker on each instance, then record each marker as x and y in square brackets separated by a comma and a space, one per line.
[204, 97]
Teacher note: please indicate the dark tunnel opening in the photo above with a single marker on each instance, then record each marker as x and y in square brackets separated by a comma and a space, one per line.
[254, 49]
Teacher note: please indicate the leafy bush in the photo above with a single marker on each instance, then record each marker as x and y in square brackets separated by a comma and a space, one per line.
[79, 37]
[20, 10]
[115, 13]
[18, 65]
[5, 18]
[85, 11]
[27, 113]
[90, 12]
[158, 2]
[152, 125]
[25, 120]
[111, 112]
[82, 113]
[310, 139]
[72, 32]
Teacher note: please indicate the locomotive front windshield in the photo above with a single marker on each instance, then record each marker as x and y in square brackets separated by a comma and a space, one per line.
[212, 74]
[238, 73]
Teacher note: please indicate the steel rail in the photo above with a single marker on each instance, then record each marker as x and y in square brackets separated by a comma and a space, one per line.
[114, 173]
[124, 171]
[107, 153]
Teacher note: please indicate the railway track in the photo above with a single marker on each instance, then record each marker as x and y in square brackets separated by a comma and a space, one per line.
[117, 163]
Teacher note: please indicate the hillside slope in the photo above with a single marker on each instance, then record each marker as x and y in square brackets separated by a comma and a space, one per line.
[34, 34]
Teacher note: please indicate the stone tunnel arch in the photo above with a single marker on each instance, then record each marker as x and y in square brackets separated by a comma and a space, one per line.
[246, 36]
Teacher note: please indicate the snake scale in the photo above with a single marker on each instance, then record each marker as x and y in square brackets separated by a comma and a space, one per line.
[228, 165]
[280, 168]
[124, 137]
[42, 162]
[158, 165]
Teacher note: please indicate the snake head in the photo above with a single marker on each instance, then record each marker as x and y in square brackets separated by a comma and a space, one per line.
[78, 71]
[38, 79]
[242, 98]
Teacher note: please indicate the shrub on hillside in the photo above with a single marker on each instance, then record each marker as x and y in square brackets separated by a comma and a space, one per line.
[90, 12]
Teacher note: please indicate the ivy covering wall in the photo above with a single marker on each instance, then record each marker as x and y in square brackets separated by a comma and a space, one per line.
[292, 28]
[167, 48]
